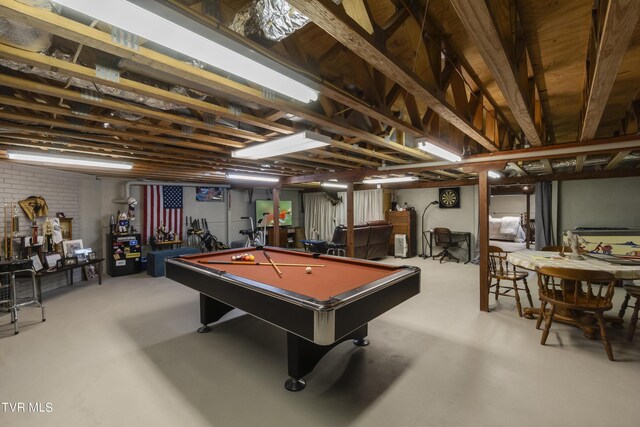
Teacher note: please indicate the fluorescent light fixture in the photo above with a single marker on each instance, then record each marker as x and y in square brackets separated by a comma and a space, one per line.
[54, 159]
[437, 151]
[161, 24]
[388, 180]
[493, 174]
[252, 177]
[302, 141]
[334, 185]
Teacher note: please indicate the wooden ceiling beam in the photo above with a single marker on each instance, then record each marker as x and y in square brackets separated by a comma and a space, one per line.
[101, 130]
[546, 164]
[79, 71]
[476, 18]
[352, 175]
[69, 94]
[452, 58]
[616, 160]
[160, 129]
[580, 163]
[96, 39]
[619, 25]
[334, 155]
[518, 169]
[35, 133]
[331, 18]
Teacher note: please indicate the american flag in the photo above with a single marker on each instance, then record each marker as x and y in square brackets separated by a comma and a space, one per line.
[162, 205]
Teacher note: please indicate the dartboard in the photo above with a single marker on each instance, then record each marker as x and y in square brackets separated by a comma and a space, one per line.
[450, 197]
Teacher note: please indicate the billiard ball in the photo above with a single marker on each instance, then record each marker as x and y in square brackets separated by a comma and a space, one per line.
[308, 270]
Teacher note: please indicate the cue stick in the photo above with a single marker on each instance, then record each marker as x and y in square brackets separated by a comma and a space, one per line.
[275, 267]
[260, 263]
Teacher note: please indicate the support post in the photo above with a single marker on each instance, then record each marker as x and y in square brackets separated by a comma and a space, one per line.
[350, 232]
[276, 217]
[483, 206]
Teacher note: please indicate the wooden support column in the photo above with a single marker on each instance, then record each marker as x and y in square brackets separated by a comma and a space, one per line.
[483, 206]
[528, 220]
[276, 217]
[350, 232]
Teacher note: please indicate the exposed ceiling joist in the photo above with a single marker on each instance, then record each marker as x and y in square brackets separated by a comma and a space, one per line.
[332, 19]
[477, 20]
[619, 25]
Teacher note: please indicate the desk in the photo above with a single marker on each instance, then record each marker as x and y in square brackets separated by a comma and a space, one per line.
[318, 310]
[531, 260]
[456, 236]
[68, 270]
[168, 244]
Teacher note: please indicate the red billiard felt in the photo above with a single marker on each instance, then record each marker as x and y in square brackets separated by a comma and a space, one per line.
[338, 275]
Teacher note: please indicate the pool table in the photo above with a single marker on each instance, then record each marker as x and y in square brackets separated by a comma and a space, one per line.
[318, 310]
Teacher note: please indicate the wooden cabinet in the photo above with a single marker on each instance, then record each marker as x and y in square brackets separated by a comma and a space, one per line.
[404, 222]
[287, 237]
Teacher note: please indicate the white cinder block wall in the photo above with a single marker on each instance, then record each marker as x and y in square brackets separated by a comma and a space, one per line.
[62, 192]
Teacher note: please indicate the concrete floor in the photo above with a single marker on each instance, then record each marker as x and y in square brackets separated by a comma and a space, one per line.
[126, 353]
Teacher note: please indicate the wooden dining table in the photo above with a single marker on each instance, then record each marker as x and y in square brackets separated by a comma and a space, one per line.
[621, 270]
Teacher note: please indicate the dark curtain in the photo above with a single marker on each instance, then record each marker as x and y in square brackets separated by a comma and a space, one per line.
[544, 228]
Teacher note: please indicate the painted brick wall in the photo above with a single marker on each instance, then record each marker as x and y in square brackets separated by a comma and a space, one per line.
[61, 190]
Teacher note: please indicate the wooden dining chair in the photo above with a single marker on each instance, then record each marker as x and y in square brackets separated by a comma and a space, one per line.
[500, 269]
[444, 239]
[577, 290]
[633, 291]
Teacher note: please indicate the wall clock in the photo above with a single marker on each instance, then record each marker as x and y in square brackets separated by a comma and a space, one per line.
[449, 197]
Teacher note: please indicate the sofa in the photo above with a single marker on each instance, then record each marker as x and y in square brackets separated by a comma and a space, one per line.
[155, 259]
[371, 239]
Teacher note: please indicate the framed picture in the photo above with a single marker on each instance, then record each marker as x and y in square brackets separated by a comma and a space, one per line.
[66, 228]
[37, 264]
[83, 254]
[70, 247]
[70, 261]
[90, 271]
[210, 194]
[52, 259]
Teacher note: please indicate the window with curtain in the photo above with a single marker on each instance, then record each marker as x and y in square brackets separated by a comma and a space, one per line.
[322, 216]
[319, 215]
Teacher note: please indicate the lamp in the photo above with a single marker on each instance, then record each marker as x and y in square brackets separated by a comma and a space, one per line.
[54, 159]
[302, 141]
[334, 185]
[388, 180]
[424, 231]
[163, 25]
[252, 177]
[493, 174]
[437, 151]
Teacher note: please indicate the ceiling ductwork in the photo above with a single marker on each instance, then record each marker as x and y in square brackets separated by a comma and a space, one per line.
[595, 160]
[268, 21]
[23, 36]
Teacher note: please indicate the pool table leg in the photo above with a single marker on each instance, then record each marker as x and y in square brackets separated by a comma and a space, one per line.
[211, 310]
[303, 355]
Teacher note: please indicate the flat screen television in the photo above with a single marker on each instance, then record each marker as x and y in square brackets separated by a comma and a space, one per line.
[266, 206]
